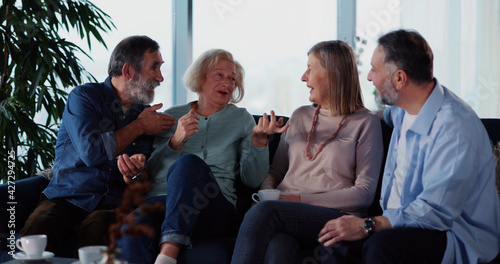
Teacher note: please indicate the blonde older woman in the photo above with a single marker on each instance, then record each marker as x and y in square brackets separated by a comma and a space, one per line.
[194, 165]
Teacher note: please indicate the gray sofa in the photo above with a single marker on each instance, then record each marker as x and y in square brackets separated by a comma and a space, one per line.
[217, 251]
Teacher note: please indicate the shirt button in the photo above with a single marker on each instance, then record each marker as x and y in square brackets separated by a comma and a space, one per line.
[133, 144]
[206, 118]
[202, 147]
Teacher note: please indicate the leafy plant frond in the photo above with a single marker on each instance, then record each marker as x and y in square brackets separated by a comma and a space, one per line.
[37, 66]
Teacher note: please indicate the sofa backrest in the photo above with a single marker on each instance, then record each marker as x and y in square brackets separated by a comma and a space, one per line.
[492, 126]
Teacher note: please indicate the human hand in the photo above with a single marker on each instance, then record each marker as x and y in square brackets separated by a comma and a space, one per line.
[265, 127]
[290, 198]
[186, 127]
[131, 166]
[344, 228]
[154, 123]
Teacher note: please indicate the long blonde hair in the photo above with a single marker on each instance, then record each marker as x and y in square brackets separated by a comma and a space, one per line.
[340, 63]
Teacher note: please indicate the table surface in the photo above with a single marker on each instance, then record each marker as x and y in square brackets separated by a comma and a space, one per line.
[54, 260]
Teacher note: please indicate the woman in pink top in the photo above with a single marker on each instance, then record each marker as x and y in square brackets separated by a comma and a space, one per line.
[327, 163]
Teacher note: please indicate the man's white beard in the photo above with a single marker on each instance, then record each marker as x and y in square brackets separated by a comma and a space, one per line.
[138, 90]
[388, 94]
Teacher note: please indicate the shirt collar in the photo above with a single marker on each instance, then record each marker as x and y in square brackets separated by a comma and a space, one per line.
[109, 91]
[427, 114]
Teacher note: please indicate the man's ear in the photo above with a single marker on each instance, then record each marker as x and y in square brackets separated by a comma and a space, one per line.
[400, 79]
[128, 71]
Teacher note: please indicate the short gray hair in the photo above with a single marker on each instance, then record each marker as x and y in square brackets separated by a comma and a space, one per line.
[195, 75]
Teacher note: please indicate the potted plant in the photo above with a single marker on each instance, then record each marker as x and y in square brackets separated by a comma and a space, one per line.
[37, 66]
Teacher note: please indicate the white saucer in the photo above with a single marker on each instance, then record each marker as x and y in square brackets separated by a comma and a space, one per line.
[22, 256]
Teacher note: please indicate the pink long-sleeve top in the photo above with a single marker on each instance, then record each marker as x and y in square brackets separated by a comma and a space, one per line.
[344, 175]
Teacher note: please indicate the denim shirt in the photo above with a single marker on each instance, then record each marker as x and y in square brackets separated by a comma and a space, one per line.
[85, 168]
[450, 179]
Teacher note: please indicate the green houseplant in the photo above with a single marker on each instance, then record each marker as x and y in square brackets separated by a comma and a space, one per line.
[37, 66]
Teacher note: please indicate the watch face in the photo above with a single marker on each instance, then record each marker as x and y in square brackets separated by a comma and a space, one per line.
[369, 225]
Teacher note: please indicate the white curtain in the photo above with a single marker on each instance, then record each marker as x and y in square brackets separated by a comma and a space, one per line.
[463, 34]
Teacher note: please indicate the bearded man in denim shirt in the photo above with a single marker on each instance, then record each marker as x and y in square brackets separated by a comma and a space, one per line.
[439, 198]
[102, 123]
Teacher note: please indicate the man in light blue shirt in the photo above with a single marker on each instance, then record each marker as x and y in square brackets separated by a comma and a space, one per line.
[439, 200]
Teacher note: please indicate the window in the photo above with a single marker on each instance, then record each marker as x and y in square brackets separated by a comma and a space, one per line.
[271, 40]
[152, 18]
[463, 35]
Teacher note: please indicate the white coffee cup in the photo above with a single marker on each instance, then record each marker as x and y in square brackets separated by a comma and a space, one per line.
[33, 245]
[90, 254]
[266, 194]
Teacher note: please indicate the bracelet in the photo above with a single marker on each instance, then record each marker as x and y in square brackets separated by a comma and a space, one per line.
[135, 177]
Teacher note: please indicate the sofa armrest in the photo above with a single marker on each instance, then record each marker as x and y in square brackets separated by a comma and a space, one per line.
[25, 196]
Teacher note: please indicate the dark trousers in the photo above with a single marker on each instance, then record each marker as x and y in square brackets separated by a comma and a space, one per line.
[397, 245]
[68, 227]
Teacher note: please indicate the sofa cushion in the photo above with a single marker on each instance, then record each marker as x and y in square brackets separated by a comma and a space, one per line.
[496, 154]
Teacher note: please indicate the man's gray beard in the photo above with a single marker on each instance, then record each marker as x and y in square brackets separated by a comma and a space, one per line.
[137, 91]
[388, 94]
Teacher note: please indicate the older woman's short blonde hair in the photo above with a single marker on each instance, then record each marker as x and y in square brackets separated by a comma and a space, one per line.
[196, 74]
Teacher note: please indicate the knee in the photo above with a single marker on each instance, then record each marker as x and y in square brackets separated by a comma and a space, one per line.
[188, 160]
[188, 164]
[262, 210]
[377, 244]
[98, 222]
[43, 223]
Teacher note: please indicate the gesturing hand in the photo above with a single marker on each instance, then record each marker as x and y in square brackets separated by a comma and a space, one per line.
[153, 122]
[186, 127]
[265, 127]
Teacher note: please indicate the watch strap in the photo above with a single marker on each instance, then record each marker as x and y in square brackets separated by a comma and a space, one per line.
[136, 177]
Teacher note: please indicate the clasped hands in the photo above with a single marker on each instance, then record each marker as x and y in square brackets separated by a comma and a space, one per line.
[130, 166]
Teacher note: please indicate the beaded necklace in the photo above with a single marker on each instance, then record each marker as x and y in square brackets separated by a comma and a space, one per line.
[309, 136]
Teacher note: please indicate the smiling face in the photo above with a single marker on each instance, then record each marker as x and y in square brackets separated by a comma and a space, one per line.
[381, 76]
[141, 88]
[316, 79]
[219, 84]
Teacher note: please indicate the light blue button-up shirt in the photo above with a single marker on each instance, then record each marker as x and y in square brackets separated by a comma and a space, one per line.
[450, 178]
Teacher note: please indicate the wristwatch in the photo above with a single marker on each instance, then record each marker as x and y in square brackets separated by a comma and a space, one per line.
[369, 225]
[136, 177]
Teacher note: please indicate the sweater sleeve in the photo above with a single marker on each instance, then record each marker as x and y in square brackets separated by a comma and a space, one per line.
[279, 165]
[254, 163]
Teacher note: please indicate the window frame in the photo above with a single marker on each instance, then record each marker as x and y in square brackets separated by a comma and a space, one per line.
[182, 48]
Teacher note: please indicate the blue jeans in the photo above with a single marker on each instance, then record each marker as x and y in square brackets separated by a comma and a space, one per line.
[195, 208]
[272, 225]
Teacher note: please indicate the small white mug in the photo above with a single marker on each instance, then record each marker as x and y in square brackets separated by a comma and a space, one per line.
[33, 245]
[266, 194]
[91, 254]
